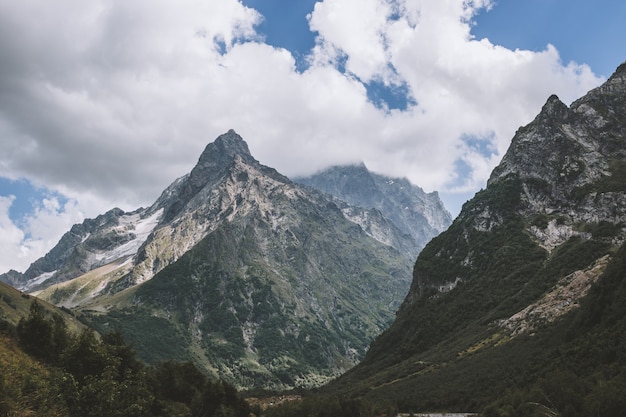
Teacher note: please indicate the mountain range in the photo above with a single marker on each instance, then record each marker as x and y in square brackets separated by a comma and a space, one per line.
[259, 280]
[518, 308]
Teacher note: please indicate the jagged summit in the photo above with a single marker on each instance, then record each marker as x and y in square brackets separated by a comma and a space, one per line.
[416, 213]
[221, 154]
[215, 160]
[216, 157]
[619, 76]
[568, 147]
[223, 150]
[554, 107]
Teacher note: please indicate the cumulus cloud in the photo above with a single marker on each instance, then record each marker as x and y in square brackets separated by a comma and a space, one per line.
[107, 102]
[12, 237]
[37, 232]
[462, 86]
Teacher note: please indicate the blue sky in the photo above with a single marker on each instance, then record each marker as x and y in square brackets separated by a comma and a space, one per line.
[285, 25]
[104, 103]
[585, 31]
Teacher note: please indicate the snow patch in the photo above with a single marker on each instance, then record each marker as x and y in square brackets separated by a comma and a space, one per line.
[141, 229]
[37, 280]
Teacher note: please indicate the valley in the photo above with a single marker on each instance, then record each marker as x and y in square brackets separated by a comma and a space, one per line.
[339, 300]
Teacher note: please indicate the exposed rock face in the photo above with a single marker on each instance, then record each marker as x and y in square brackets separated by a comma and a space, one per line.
[561, 299]
[94, 243]
[571, 162]
[260, 280]
[12, 278]
[416, 213]
[563, 177]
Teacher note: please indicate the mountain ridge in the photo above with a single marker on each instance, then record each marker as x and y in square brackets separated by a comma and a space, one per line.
[506, 304]
[261, 281]
[421, 215]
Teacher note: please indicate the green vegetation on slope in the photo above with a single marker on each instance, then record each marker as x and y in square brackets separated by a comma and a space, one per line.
[575, 366]
[262, 310]
[446, 351]
[581, 370]
[15, 305]
[47, 371]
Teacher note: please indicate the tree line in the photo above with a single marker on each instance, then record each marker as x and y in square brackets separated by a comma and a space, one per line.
[88, 375]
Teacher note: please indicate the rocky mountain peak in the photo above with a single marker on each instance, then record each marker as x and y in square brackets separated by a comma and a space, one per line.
[562, 175]
[219, 155]
[570, 161]
[540, 253]
[227, 145]
[555, 108]
[415, 213]
[617, 80]
[215, 160]
[561, 146]
[612, 89]
[261, 280]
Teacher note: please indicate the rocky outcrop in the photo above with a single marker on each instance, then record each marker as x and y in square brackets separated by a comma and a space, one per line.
[413, 212]
[559, 300]
[571, 162]
[89, 245]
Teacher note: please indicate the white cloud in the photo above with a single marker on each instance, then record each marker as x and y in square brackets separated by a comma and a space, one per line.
[12, 237]
[107, 102]
[462, 86]
[39, 231]
[362, 39]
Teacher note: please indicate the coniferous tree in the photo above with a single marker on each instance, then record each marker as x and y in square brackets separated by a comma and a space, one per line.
[35, 333]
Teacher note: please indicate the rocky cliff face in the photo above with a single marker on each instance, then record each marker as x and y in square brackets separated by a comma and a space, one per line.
[516, 265]
[420, 215]
[96, 242]
[262, 281]
[571, 162]
[562, 177]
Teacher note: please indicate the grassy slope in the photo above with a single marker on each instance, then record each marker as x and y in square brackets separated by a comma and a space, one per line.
[14, 305]
[26, 387]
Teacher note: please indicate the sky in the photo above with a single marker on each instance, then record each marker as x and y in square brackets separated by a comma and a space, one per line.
[104, 103]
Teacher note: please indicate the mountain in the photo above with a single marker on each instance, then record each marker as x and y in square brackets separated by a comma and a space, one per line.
[518, 308]
[261, 281]
[407, 207]
[15, 305]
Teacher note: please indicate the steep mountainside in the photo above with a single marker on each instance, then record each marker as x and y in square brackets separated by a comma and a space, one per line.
[52, 365]
[15, 305]
[94, 243]
[260, 280]
[407, 206]
[525, 289]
